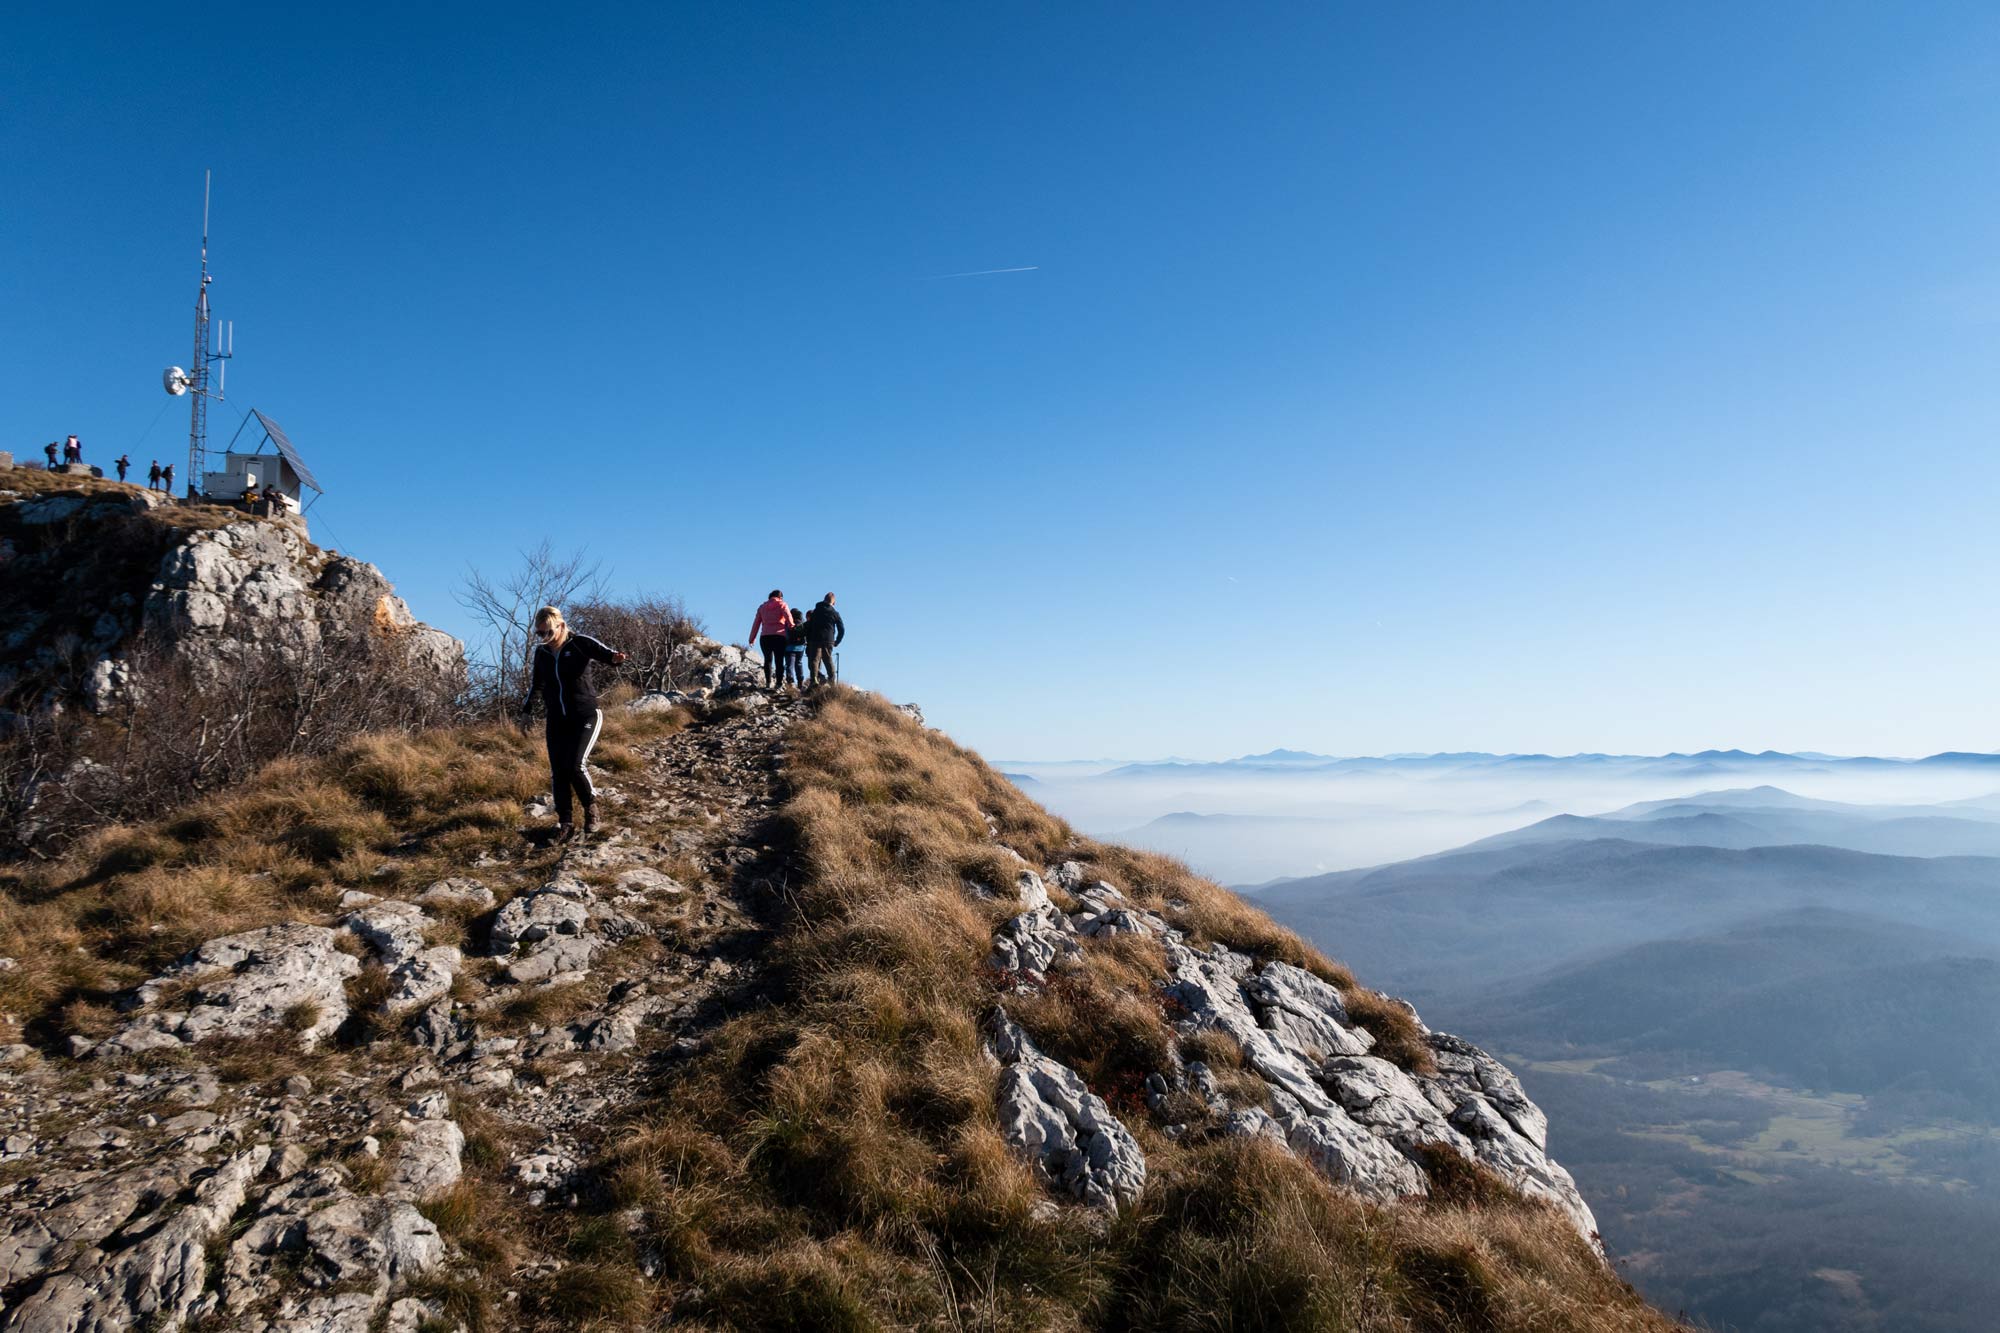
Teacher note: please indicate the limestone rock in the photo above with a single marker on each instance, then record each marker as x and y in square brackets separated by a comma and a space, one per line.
[1030, 944]
[427, 1159]
[556, 930]
[1361, 1120]
[371, 1241]
[154, 1268]
[289, 974]
[1066, 1130]
[1106, 913]
[458, 891]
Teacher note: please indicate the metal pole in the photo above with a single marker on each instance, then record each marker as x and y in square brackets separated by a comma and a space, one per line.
[198, 378]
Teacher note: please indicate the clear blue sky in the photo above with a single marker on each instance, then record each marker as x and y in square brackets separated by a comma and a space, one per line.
[1451, 376]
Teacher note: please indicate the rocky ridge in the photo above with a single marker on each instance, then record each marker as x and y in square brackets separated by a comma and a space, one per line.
[142, 1185]
[1362, 1121]
[175, 1172]
[101, 564]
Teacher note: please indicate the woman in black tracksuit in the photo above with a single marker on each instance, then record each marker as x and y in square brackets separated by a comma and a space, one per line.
[562, 677]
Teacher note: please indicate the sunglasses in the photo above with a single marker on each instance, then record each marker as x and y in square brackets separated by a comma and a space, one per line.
[545, 634]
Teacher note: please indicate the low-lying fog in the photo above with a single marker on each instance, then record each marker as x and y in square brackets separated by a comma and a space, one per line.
[1249, 821]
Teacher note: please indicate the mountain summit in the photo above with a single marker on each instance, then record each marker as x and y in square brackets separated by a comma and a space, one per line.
[836, 1029]
[831, 1028]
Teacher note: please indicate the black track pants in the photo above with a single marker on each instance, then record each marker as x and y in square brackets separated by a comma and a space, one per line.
[570, 739]
[775, 646]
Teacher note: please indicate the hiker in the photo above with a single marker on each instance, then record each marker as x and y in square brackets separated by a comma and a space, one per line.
[153, 476]
[767, 632]
[50, 450]
[124, 465]
[72, 450]
[274, 498]
[824, 631]
[795, 652]
[167, 479]
[561, 676]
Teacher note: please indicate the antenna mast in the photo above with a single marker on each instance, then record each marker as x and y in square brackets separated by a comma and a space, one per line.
[219, 352]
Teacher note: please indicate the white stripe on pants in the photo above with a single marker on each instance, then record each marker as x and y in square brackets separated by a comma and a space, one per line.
[584, 786]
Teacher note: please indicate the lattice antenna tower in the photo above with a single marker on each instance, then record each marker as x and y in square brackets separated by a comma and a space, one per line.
[212, 350]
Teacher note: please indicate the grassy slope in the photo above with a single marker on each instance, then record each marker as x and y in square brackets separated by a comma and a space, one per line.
[834, 1161]
[385, 813]
[831, 1160]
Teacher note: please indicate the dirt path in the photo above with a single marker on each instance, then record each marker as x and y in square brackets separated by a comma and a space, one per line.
[586, 975]
[700, 811]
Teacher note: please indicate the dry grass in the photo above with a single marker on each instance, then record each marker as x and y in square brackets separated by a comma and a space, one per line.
[833, 1160]
[36, 481]
[128, 901]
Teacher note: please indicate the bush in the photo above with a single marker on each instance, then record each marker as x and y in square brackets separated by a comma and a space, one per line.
[651, 631]
[178, 732]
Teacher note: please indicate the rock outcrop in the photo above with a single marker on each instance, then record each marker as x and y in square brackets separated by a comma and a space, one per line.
[260, 586]
[320, 1124]
[1064, 1128]
[1365, 1123]
[100, 567]
[292, 976]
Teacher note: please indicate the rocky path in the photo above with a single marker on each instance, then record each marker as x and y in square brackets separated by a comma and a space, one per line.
[266, 1141]
[689, 835]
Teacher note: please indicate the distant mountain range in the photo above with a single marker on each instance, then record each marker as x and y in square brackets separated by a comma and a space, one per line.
[1451, 923]
[1699, 763]
[1768, 1020]
[1770, 817]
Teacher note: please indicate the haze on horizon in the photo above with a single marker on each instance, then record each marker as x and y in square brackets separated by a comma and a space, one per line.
[1247, 822]
[1351, 379]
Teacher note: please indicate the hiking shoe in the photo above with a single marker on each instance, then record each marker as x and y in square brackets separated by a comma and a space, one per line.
[590, 819]
[564, 832]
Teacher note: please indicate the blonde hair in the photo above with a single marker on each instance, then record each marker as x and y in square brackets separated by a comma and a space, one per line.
[552, 616]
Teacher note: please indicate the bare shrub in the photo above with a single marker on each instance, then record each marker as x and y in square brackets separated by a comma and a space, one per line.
[650, 630]
[184, 728]
[504, 607]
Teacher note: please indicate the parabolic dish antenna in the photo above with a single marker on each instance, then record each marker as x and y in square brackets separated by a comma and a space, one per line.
[176, 380]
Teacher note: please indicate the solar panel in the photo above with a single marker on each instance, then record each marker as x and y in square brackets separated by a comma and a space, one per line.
[277, 434]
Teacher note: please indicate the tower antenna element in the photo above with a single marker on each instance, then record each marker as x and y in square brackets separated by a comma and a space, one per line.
[212, 350]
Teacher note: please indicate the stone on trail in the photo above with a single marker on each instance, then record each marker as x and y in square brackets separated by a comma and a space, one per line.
[290, 975]
[459, 891]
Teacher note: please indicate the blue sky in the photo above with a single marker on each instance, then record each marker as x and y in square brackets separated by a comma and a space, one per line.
[1603, 377]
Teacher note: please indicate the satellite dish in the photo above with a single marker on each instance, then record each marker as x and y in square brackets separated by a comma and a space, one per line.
[175, 380]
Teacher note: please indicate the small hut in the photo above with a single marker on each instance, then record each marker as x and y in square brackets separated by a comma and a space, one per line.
[274, 461]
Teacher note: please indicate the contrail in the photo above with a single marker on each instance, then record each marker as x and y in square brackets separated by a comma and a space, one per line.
[982, 273]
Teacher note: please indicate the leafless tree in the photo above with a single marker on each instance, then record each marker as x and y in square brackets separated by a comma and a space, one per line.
[649, 630]
[504, 607]
[180, 729]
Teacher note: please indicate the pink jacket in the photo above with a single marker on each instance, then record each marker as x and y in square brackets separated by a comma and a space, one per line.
[773, 617]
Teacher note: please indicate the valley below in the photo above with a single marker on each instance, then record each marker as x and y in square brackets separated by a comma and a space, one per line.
[1759, 1015]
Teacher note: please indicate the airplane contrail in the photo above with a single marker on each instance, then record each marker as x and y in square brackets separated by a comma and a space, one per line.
[982, 272]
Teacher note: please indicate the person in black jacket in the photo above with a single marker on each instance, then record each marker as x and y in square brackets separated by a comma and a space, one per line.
[795, 653]
[562, 661]
[824, 631]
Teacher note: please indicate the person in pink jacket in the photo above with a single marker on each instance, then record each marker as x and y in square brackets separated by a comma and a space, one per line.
[768, 632]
